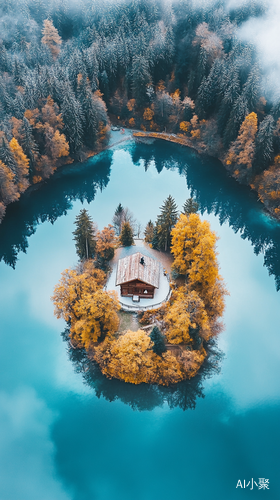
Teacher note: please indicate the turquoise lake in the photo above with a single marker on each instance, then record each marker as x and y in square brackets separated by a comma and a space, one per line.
[66, 432]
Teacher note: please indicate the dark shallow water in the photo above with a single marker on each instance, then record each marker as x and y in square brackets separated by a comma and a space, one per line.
[70, 435]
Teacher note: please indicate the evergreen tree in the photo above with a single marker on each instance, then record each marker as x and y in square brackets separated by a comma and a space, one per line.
[73, 121]
[149, 232]
[237, 116]
[118, 219]
[165, 222]
[90, 117]
[140, 77]
[126, 237]
[7, 157]
[264, 144]
[29, 146]
[84, 236]
[251, 89]
[190, 206]
[158, 339]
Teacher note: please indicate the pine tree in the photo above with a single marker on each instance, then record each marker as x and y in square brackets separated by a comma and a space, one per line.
[29, 145]
[118, 219]
[264, 144]
[149, 232]
[141, 77]
[73, 121]
[90, 117]
[84, 236]
[158, 339]
[165, 222]
[237, 116]
[190, 206]
[126, 237]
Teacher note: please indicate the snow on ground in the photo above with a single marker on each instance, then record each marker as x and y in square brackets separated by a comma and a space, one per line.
[160, 294]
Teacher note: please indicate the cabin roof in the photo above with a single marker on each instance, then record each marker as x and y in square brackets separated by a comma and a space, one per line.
[129, 269]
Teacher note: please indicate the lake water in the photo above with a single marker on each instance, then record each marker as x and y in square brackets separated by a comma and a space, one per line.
[66, 432]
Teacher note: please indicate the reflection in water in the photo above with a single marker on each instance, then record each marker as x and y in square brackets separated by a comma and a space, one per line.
[221, 195]
[52, 200]
[206, 178]
[145, 397]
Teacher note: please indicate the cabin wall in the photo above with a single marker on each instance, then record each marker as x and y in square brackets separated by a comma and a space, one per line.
[137, 288]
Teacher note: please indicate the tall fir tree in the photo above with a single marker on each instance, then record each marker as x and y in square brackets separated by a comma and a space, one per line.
[73, 121]
[149, 232]
[264, 145]
[29, 145]
[164, 224]
[84, 236]
[118, 219]
[126, 237]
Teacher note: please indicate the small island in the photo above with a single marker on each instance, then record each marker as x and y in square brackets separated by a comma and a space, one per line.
[171, 342]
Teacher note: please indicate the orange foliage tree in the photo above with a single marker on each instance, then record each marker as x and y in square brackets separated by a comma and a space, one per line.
[186, 314]
[148, 114]
[22, 163]
[8, 188]
[194, 249]
[241, 153]
[268, 187]
[130, 358]
[90, 311]
[51, 38]
[105, 245]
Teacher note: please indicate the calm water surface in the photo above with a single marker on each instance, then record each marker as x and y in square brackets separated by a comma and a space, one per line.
[69, 434]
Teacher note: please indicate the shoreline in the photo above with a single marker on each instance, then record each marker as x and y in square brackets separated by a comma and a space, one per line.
[133, 134]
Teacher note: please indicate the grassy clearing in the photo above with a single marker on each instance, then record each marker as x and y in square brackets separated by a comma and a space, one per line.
[128, 321]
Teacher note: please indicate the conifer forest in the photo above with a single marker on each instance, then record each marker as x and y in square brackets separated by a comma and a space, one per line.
[68, 70]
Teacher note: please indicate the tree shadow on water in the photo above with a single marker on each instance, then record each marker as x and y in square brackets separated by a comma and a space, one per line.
[53, 199]
[145, 397]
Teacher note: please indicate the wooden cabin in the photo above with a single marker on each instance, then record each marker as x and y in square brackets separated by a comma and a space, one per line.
[138, 276]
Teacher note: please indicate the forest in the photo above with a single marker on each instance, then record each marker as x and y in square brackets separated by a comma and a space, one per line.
[70, 69]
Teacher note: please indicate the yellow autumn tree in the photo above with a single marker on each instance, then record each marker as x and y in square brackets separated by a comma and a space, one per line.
[185, 126]
[268, 187]
[130, 358]
[70, 289]
[22, 163]
[191, 361]
[51, 115]
[185, 315]
[96, 317]
[105, 245]
[58, 145]
[90, 311]
[194, 248]
[51, 38]
[195, 132]
[8, 188]
[241, 152]
[148, 114]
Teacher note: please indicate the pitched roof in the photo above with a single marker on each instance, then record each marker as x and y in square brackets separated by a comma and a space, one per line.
[130, 268]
